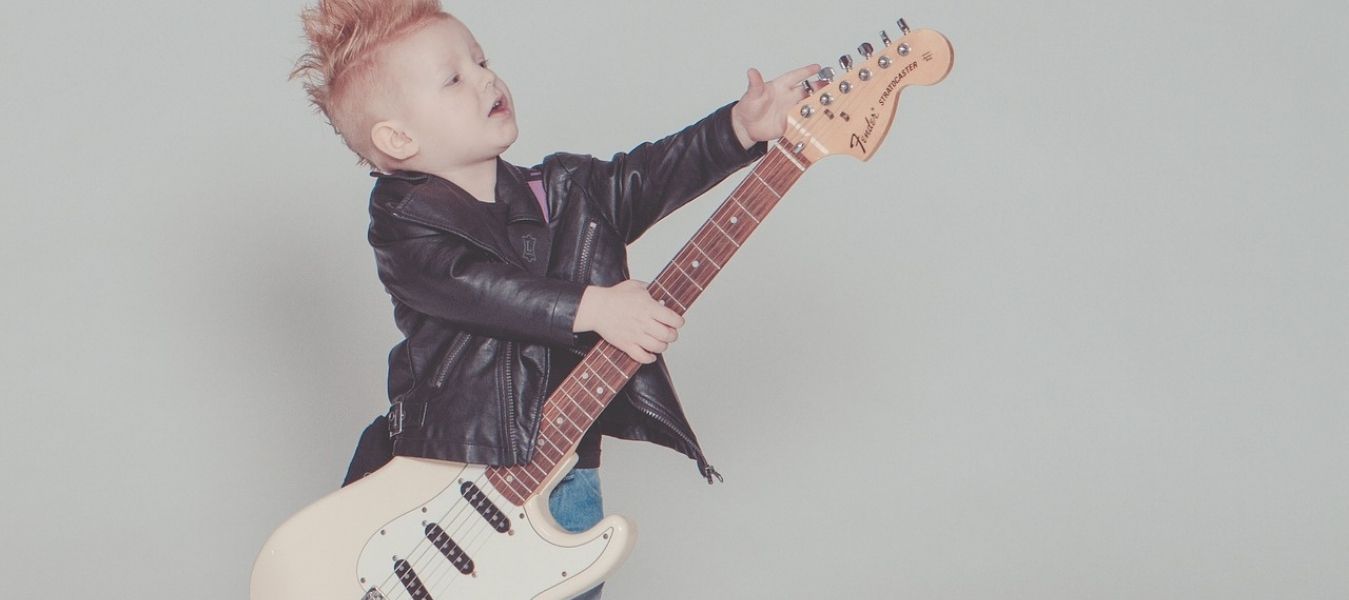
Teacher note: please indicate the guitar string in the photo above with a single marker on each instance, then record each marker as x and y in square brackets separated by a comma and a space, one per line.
[478, 526]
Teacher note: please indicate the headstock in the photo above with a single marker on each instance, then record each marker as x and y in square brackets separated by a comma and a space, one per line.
[852, 112]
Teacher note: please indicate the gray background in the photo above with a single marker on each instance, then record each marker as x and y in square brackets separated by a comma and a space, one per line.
[1078, 331]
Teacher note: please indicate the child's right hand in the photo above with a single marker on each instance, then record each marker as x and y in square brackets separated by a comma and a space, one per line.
[626, 316]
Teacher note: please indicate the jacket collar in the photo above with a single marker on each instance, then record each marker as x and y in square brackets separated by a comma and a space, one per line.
[438, 202]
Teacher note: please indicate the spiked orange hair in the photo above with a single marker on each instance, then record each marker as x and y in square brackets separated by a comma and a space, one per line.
[340, 70]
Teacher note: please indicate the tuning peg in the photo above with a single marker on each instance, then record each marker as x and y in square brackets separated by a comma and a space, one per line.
[903, 27]
[826, 74]
[865, 50]
[885, 39]
[845, 61]
[805, 85]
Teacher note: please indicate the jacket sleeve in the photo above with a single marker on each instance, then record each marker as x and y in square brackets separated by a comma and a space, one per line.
[640, 187]
[442, 275]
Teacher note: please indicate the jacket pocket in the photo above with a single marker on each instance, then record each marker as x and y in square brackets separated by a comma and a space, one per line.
[457, 346]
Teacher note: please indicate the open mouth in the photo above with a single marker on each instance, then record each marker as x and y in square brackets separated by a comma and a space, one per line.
[498, 107]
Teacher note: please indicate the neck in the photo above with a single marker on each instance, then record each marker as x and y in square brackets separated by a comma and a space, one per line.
[478, 179]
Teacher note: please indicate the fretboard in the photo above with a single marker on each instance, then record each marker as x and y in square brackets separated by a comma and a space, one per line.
[578, 401]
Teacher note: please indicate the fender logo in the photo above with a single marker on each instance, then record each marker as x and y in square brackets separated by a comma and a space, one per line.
[860, 141]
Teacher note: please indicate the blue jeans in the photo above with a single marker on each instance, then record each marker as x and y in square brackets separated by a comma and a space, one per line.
[576, 506]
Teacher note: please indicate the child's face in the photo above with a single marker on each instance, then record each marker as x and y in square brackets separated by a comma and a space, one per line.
[457, 110]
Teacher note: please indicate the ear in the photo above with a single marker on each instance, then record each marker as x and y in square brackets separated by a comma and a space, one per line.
[391, 139]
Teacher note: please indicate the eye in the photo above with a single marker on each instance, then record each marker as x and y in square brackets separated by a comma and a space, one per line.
[484, 63]
[452, 80]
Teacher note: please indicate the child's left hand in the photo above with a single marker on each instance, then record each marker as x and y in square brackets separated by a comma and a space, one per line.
[761, 114]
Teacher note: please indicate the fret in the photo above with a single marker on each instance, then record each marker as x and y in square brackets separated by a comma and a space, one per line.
[513, 479]
[679, 287]
[786, 153]
[745, 209]
[682, 273]
[715, 246]
[765, 184]
[725, 234]
[668, 296]
[507, 484]
[695, 265]
[687, 276]
[585, 412]
[694, 244]
[570, 413]
[565, 425]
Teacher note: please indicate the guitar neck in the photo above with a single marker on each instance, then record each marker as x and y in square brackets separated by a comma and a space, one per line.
[582, 396]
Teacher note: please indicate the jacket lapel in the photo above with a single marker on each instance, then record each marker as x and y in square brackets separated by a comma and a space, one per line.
[440, 203]
[525, 223]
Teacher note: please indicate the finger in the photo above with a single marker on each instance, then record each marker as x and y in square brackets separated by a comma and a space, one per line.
[795, 76]
[640, 355]
[653, 345]
[756, 83]
[668, 317]
[660, 332]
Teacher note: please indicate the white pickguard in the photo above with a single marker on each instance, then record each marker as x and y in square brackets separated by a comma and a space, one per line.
[346, 544]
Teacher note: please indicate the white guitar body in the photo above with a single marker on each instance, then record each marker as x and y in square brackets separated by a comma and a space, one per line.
[362, 541]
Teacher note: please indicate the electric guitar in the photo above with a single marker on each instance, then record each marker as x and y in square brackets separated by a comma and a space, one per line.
[429, 529]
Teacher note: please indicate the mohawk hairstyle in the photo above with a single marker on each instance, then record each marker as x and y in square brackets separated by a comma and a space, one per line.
[339, 70]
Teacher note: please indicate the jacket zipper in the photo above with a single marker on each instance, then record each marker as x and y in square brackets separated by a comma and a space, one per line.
[708, 471]
[510, 406]
[583, 264]
[456, 348]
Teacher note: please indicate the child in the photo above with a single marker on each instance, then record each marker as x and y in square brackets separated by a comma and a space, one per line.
[501, 276]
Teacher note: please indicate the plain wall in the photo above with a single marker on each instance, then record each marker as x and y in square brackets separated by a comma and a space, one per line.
[1078, 330]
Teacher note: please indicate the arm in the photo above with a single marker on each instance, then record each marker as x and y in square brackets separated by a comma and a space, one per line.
[638, 188]
[442, 275]
[635, 189]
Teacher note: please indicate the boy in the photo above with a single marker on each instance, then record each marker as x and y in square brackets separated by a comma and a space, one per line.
[501, 277]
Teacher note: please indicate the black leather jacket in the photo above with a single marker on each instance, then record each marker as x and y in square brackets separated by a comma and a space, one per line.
[487, 317]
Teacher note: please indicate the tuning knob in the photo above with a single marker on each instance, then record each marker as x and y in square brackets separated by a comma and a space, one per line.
[903, 27]
[845, 61]
[865, 50]
[805, 85]
[885, 39]
[826, 74]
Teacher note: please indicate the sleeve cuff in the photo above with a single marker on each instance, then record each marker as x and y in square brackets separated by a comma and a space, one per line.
[563, 317]
[726, 147]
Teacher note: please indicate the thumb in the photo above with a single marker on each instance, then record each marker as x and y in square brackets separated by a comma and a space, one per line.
[756, 85]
